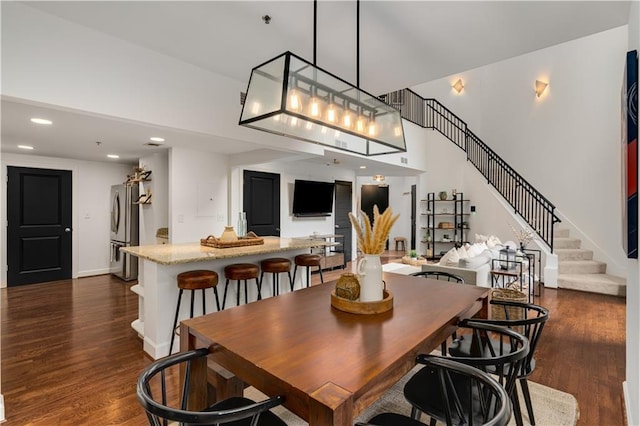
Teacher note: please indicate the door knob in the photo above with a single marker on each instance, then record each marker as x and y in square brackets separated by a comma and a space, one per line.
[67, 229]
[337, 226]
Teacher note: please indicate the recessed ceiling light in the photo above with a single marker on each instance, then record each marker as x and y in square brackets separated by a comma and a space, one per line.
[156, 139]
[363, 167]
[113, 156]
[41, 120]
[25, 147]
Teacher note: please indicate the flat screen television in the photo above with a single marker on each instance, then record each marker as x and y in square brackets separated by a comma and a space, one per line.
[311, 198]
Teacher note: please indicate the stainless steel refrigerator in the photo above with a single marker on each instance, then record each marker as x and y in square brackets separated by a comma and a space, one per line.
[124, 230]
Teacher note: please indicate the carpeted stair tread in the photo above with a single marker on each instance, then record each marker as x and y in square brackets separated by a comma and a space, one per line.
[594, 283]
[573, 254]
[582, 267]
[560, 233]
[566, 243]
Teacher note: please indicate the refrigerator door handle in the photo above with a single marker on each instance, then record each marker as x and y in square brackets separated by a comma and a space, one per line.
[115, 213]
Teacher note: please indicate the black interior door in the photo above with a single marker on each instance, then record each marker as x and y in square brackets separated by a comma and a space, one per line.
[39, 225]
[414, 206]
[371, 195]
[261, 202]
[344, 191]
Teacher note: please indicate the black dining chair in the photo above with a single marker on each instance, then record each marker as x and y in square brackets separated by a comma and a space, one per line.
[489, 406]
[441, 275]
[165, 397]
[503, 360]
[525, 318]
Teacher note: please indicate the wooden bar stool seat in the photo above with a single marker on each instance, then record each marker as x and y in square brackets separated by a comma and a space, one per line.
[401, 241]
[194, 280]
[240, 272]
[276, 266]
[307, 260]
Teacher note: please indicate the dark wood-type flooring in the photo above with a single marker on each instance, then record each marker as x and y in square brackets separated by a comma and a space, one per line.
[70, 357]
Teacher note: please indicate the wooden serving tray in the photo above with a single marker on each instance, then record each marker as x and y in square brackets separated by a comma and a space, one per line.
[250, 240]
[357, 307]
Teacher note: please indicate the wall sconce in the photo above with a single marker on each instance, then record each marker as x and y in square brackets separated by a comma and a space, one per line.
[458, 85]
[541, 86]
[378, 178]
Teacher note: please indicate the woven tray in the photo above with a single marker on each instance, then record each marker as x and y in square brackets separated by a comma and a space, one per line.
[250, 240]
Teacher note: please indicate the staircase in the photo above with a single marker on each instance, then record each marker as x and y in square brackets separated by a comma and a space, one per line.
[578, 271]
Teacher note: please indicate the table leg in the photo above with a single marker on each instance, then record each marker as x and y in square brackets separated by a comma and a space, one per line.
[198, 377]
[330, 405]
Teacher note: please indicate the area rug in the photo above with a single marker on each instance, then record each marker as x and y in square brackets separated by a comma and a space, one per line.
[551, 407]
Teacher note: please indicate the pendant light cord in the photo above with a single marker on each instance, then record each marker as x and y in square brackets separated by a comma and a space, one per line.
[358, 44]
[315, 30]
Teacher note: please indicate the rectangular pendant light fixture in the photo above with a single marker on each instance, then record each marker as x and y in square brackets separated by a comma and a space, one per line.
[291, 97]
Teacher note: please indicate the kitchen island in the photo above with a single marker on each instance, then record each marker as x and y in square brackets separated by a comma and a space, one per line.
[157, 286]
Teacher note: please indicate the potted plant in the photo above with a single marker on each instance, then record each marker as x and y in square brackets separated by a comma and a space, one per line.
[413, 254]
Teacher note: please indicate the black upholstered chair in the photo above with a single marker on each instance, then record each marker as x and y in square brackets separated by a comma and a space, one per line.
[166, 406]
[524, 318]
[504, 360]
[489, 406]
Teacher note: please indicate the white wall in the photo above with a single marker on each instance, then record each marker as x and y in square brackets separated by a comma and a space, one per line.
[566, 143]
[156, 214]
[91, 206]
[198, 187]
[632, 384]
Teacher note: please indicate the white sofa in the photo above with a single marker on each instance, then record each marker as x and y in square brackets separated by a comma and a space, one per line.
[480, 276]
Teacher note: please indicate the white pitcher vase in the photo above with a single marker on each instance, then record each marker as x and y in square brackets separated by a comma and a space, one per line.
[370, 271]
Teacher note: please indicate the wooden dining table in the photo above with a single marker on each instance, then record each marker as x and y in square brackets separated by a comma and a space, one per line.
[329, 364]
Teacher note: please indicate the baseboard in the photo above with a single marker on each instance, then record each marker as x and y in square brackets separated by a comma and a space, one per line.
[627, 405]
[2, 419]
[94, 272]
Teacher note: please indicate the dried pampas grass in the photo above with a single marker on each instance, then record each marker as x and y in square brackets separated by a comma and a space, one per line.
[372, 239]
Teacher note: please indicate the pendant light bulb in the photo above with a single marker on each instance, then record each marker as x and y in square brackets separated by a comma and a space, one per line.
[332, 113]
[373, 130]
[295, 104]
[346, 120]
[314, 107]
[360, 124]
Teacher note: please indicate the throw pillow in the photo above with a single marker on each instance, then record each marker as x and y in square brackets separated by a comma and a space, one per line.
[462, 253]
[476, 261]
[476, 249]
[481, 238]
[450, 258]
[492, 241]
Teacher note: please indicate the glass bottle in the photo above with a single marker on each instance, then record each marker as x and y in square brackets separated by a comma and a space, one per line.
[242, 224]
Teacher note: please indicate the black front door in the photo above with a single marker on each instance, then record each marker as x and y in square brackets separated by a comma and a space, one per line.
[261, 202]
[39, 225]
[371, 195]
[341, 220]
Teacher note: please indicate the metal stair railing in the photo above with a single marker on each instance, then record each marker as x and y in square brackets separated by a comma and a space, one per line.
[537, 211]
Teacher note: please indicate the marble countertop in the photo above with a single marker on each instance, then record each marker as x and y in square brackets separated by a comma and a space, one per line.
[174, 254]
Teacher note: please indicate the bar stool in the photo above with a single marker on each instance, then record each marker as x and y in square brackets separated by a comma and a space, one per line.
[401, 241]
[307, 260]
[240, 272]
[276, 266]
[194, 280]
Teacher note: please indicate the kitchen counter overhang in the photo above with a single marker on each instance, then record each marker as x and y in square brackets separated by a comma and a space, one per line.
[176, 254]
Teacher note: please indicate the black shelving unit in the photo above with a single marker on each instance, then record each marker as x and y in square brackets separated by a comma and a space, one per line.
[439, 212]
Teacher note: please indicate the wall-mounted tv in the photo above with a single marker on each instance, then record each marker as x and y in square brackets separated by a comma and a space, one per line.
[311, 198]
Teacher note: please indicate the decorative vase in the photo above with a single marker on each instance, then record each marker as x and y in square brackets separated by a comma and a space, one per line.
[370, 271]
[228, 234]
[242, 224]
[348, 286]
[442, 195]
